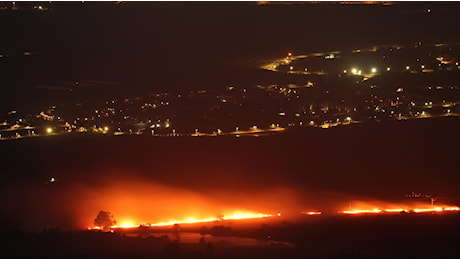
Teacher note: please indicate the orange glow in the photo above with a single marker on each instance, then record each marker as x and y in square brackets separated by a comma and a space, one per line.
[395, 210]
[246, 215]
[360, 211]
[237, 215]
[418, 209]
[437, 209]
[126, 225]
[94, 228]
[311, 213]
[138, 201]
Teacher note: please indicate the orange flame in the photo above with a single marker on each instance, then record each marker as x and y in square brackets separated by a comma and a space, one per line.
[397, 210]
[311, 213]
[237, 215]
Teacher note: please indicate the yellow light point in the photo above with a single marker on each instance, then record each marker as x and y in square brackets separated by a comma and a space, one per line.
[407, 68]
[354, 71]
[311, 213]
[374, 70]
[106, 129]
[290, 54]
[388, 68]
[49, 130]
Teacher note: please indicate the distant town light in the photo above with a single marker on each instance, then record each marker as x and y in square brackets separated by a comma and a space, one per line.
[374, 70]
[407, 68]
[388, 68]
[49, 130]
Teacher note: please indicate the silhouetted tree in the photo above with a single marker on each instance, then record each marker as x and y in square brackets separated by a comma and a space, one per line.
[176, 231]
[104, 220]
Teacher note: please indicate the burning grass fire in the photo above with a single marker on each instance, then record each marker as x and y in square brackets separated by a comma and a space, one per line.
[237, 215]
[401, 209]
[246, 215]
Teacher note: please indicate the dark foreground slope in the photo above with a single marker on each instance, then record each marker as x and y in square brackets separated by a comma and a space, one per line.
[398, 236]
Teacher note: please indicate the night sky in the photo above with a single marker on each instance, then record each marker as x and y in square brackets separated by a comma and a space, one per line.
[152, 46]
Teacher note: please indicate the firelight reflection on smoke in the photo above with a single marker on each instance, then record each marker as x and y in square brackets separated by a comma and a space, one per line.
[135, 201]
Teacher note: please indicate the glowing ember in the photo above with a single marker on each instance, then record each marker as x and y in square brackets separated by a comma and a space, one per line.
[311, 213]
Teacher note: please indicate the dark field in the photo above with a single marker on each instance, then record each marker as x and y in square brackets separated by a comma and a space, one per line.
[397, 236]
